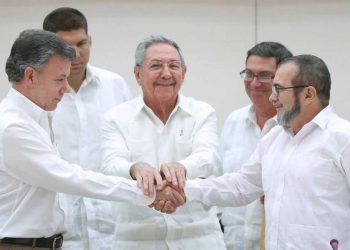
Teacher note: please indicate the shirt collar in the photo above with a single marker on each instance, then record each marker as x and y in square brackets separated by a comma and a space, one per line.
[90, 78]
[251, 117]
[26, 105]
[321, 120]
[323, 117]
[182, 103]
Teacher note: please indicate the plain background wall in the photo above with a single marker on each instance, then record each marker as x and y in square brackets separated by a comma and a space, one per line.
[213, 34]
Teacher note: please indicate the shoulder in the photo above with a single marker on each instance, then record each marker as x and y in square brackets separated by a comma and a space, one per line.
[106, 75]
[12, 119]
[238, 114]
[196, 107]
[124, 111]
[338, 129]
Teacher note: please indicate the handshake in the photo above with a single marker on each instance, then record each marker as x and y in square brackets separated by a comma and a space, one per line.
[168, 184]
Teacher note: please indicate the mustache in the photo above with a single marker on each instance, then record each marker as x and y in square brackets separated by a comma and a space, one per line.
[276, 104]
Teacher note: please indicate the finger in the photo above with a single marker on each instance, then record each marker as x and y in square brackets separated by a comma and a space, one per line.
[159, 205]
[166, 172]
[150, 185]
[168, 208]
[145, 185]
[181, 178]
[139, 181]
[159, 180]
[173, 176]
[178, 199]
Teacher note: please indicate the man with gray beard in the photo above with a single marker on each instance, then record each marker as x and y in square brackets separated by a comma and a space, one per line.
[302, 166]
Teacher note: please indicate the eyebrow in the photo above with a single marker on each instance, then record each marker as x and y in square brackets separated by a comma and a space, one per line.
[158, 60]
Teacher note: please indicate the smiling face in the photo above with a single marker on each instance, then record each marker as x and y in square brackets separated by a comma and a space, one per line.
[288, 105]
[50, 83]
[160, 75]
[81, 43]
[258, 92]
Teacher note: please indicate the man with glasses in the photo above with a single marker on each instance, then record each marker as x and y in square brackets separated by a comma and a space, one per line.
[162, 134]
[241, 133]
[302, 166]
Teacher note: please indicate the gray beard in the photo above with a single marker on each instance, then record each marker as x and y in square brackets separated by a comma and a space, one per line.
[285, 118]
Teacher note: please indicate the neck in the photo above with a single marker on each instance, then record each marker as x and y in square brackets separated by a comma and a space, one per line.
[264, 113]
[305, 117]
[162, 110]
[76, 81]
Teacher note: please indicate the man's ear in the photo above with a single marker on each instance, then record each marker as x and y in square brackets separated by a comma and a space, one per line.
[310, 94]
[137, 74]
[90, 40]
[29, 76]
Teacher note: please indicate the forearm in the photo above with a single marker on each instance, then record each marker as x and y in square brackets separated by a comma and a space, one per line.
[227, 190]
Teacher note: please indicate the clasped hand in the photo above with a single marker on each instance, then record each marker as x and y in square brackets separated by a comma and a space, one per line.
[168, 183]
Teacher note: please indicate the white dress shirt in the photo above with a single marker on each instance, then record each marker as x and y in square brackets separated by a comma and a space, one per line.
[76, 124]
[133, 133]
[31, 172]
[306, 181]
[239, 138]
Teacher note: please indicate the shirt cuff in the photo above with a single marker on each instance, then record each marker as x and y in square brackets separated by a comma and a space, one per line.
[192, 190]
[140, 198]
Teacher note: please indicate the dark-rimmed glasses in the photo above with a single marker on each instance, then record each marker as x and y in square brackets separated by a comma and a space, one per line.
[276, 88]
[263, 76]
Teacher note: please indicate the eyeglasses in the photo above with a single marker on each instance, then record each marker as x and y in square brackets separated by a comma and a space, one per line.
[276, 88]
[263, 76]
[156, 66]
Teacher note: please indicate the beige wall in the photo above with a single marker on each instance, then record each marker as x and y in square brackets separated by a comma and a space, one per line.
[214, 36]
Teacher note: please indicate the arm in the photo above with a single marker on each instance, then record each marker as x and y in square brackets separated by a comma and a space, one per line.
[116, 156]
[117, 159]
[204, 159]
[232, 189]
[29, 159]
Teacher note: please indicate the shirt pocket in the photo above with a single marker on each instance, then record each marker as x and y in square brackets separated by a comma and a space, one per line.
[183, 148]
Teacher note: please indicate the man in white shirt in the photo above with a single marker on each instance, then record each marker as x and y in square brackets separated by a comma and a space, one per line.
[240, 135]
[162, 134]
[31, 170]
[76, 124]
[302, 166]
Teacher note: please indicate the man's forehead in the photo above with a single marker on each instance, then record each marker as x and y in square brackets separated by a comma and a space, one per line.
[287, 70]
[160, 51]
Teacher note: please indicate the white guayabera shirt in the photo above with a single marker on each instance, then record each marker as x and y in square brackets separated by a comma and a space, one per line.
[305, 178]
[132, 134]
[31, 172]
[239, 138]
[89, 223]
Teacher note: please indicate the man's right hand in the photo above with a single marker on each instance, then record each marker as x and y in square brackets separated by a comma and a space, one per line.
[168, 199]
[146, 177]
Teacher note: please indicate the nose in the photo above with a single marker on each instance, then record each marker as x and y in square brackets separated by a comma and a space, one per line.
[255, 83]
[273, 97]
[77, 52]
[165, 71]
[66, 87]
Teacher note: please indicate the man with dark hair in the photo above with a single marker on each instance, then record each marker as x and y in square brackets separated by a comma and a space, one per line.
[302, 166]
[241, 133]
[31, 170]
[89, 223]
